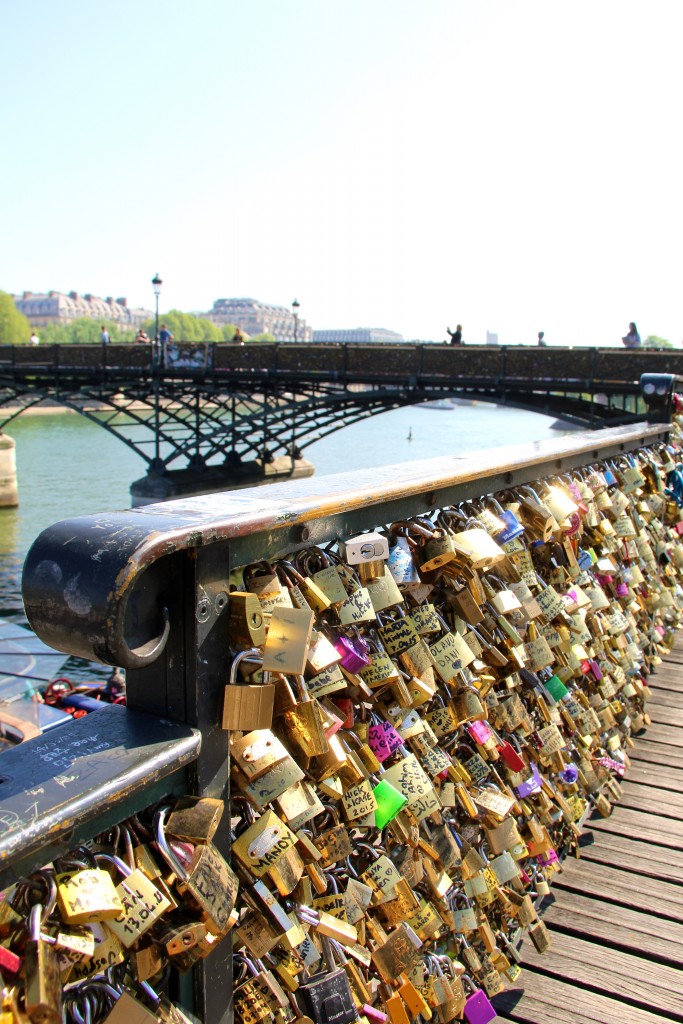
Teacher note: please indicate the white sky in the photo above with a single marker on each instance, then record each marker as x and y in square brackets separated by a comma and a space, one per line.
[511, 165]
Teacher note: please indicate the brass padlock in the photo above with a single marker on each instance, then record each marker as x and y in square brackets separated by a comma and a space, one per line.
[208, 881]
[304, 723]
[87, 895]
[195, 819]
[246, 618]
[142, 903]
[43, 992]
[247, 707]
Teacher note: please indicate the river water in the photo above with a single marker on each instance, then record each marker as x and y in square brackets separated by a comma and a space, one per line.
[68, 466]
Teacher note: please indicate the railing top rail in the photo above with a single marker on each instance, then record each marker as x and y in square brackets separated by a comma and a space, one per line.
[81, 574]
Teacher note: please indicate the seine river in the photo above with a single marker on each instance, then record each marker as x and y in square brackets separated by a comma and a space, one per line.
[68, 466]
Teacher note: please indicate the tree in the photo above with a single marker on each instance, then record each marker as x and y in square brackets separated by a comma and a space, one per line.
[652, 341]
[186, 327]
[14, 326]
[83, 331]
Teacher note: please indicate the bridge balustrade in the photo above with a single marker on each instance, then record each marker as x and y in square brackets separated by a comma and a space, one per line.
[402, 361]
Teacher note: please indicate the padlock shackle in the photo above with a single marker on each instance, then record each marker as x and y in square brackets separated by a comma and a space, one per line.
[124, 868]
[163, 846]
[252, 656]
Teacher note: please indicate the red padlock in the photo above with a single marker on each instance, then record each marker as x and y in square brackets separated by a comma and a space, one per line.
[512, 759]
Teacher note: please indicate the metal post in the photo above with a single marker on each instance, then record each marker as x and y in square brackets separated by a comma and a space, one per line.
[295, 311]
[157, 458]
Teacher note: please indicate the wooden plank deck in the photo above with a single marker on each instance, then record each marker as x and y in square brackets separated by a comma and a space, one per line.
[616, 912]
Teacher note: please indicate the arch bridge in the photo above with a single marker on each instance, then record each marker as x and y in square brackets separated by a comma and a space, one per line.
[214, 415]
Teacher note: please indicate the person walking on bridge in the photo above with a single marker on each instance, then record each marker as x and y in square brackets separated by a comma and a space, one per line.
[456, 335]
[632, 339]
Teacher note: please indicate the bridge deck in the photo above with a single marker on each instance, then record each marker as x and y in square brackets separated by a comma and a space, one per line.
[616, 913]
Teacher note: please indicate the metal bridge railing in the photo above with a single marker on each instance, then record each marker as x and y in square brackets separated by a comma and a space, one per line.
[147, 589]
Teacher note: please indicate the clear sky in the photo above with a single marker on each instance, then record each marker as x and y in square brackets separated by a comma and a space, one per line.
[511, 165]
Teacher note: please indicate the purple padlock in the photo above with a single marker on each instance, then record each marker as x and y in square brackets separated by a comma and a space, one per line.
[595, 669]
[383, 740]
[530, 785]
[548, 858]
[355, 653]
[621, 590]
[478, 1007]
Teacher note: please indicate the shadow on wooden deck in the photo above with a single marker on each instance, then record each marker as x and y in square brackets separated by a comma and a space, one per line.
[616, 914]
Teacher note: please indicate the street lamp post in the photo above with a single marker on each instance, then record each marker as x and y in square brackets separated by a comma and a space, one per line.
[156, 285]
[295, 311]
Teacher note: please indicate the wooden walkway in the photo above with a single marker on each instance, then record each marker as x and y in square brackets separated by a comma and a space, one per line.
[616, 914]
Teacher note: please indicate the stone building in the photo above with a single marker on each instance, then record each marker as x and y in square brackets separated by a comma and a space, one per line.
[254, 317]
[54, 307]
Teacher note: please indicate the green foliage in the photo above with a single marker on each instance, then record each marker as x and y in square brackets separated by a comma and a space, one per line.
[186, 327]
[82, 332]
[652, 341]
[14, 327]
[261, 337]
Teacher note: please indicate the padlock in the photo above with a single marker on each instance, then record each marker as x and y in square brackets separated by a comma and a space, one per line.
[326, 996]
[208, 881]
[87, 895]
[142, 903]
[478, 1008]
[253, 998]
[195, 819]
[287, 642]
[247, 707]
[43, 987]
[247, 623]
[128, 1009]
[478, 549]
[304, 723]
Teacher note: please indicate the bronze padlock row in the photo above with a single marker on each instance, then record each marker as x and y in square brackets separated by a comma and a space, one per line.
[420, 719]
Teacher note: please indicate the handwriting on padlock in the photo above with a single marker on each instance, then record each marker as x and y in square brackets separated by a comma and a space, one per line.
[359, 801]
[451, 654]
[399, 636]
[435, 761]
[480, 732]
[357, 608]
[383, 740]
[288, 638]
[329, 680]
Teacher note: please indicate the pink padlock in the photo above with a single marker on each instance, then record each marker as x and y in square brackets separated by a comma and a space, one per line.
[383, 740]
[376, 1016]
[479, 731]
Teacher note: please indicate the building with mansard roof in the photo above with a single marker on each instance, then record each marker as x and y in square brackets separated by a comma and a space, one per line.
[54, 307]
[254, 317]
